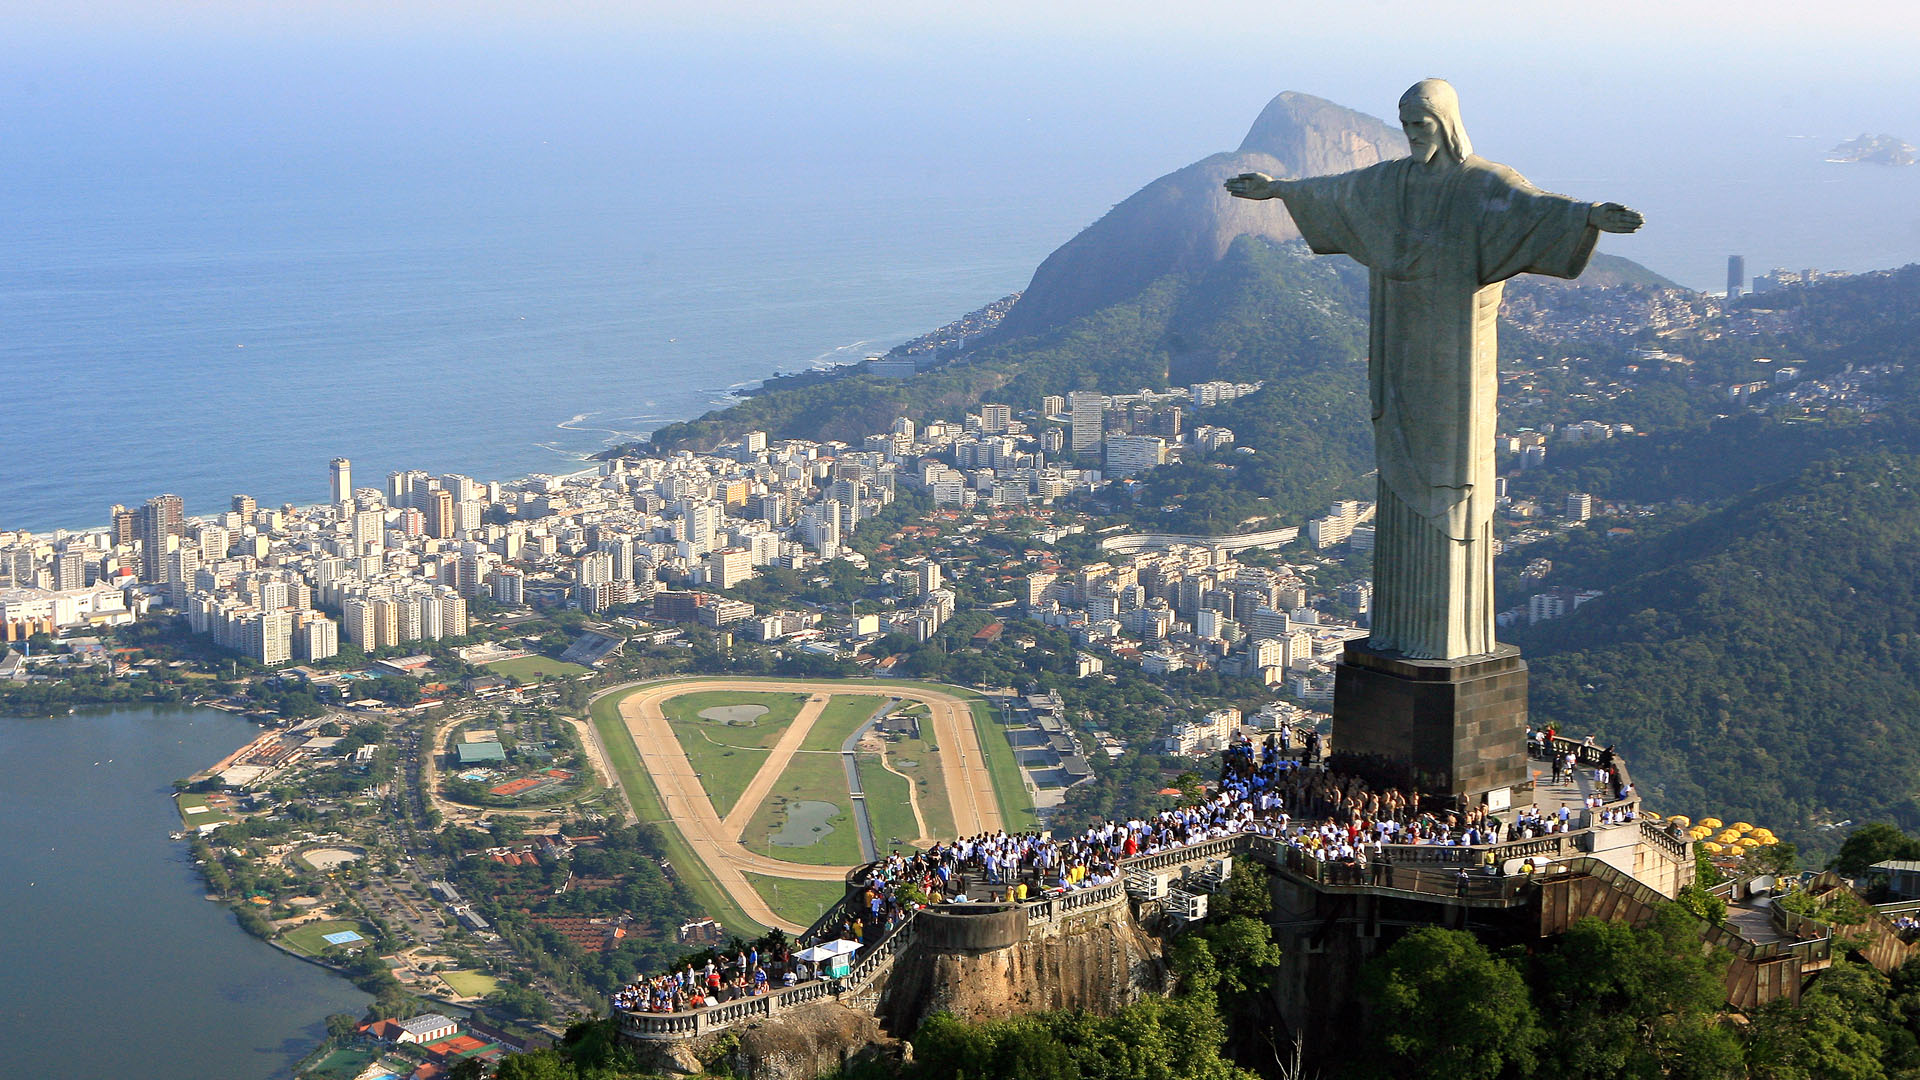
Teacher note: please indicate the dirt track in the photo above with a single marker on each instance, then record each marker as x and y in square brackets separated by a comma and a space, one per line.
[717, 842]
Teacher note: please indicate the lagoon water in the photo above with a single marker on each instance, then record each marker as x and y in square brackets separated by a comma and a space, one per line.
[116, 965]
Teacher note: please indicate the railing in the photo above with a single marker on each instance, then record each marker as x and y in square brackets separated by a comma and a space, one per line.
[1388, 878]
[1713, 933]
[1432, 870]
[876, 958]
[1664, 838]
[1224, 845]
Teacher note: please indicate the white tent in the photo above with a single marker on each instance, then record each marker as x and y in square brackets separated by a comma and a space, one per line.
[828, 950]
[834, 957]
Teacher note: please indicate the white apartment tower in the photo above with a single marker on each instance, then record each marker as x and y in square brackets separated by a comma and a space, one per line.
[1089, 415]
[342, 481]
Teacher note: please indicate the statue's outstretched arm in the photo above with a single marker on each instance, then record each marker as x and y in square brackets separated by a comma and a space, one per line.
[1614, 218]
[1256, 185]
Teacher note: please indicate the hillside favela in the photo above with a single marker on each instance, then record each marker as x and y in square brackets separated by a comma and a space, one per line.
[1340, 608]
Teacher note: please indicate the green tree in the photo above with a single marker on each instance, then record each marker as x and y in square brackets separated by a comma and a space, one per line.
[341, 1025]
[1625, 1002]
[1834, 1033]
[1445, 1007]
[1870, 844]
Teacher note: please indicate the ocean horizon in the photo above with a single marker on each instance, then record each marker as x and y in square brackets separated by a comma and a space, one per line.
[209, 297]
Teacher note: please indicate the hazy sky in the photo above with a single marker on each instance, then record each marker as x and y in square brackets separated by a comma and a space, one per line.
[1086, 100]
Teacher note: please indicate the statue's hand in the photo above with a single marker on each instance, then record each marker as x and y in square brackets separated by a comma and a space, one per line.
[1252, 185]
[1614, 218]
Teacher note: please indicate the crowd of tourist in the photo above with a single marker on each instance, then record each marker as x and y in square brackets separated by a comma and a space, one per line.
[749, 973]
[1336, 826]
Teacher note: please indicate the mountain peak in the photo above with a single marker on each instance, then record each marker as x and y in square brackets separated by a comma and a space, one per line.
[1185, 221]
[1316, 136]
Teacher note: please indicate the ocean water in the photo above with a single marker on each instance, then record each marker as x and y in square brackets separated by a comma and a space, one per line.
[210, 336]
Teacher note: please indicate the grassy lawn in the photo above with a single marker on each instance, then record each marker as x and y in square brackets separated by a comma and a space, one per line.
[530, 668]
[725, 756]
[343, 1064]
[1016, 808]
[307, 939]
[928, 781]
[800, 901]
[816, 778]
[470, 983]
[888, 808]
[195, 811]
[842, 717]
[624, 758]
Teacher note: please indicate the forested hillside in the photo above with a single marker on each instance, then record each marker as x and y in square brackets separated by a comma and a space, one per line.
[1763, 661]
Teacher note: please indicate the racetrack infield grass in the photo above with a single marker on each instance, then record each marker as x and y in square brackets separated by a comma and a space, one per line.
[1016, 807]
[624, 758]
[725, 756]
[928, 781]
[842, 717]
[808, 778]
[798, 901]
[888, 808]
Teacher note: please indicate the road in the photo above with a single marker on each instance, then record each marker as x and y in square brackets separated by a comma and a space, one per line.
[717, 842]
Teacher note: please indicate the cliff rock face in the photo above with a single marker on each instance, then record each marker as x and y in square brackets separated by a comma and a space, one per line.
[797, 1044]
[1098, 964]
[1184, 221]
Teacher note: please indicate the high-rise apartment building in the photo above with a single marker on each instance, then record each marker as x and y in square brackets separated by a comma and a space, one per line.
[160, 520]
[244, 506]
[342, 481]
[509, 586]
[1128, 455]
[1089, 416]
[69, 569]
[995, 419]
[441, 522]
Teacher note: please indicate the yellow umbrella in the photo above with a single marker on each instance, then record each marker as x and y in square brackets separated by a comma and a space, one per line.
[1681, 820]
[1710, 822]
[1769, 841]
[1699, 832]
[1711, 847]
[1762, 833]
[1741, 826]
[1728, 837]
[1748, 842]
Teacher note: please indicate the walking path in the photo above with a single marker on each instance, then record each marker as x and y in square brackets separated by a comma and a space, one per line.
[777, 761]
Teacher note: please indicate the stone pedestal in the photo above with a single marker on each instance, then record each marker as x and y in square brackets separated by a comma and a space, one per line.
[1450, 728]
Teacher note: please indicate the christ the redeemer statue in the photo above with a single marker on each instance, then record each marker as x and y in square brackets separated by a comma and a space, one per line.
[1439, 231]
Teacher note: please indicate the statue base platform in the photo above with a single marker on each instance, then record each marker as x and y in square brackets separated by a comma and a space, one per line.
[1454, 730]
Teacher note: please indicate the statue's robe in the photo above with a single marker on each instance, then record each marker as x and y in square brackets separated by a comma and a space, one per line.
[1438, 243]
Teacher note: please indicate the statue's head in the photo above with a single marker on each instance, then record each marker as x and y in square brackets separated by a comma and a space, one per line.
[1430, 115]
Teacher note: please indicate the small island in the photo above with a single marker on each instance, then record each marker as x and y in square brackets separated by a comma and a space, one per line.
[1875, 150]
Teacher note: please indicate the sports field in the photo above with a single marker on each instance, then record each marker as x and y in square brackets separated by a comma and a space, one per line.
[530, 668]
[470, 983]
[310, 938]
